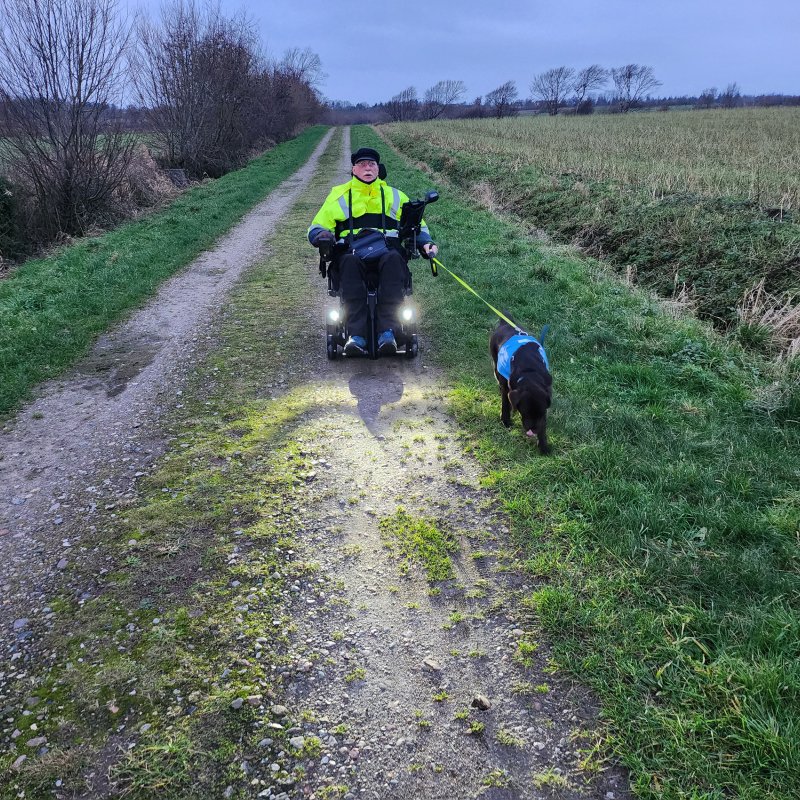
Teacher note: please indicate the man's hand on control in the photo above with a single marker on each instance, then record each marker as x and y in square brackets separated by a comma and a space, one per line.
[430, 249]
[322, 237]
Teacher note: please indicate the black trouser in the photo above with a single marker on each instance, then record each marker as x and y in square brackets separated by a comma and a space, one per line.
[389, 273]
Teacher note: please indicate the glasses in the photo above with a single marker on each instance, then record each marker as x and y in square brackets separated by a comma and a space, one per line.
[365, 163]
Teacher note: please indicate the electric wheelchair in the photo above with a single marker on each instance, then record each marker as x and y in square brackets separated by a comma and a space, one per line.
[405, 331]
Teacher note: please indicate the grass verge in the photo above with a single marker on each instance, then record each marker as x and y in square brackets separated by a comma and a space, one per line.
[162, 683]
[664, 529]
[52, 308]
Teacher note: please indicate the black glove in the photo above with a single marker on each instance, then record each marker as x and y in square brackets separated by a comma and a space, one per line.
[323, 236]
[425, 247]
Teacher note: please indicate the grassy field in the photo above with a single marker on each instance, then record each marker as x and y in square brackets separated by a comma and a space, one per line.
[745, 153]
[696, 205]
[52, 308]
[663, 531]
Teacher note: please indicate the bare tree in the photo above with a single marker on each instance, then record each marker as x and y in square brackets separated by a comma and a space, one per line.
[552, 86]
[197, 74]
[731, 97]
[61, 72]
[287, 97]
[588, 80]
[632, 82]
[501, 100]
[403, 106]
[303, 66]
[707, 98]
[440, 96]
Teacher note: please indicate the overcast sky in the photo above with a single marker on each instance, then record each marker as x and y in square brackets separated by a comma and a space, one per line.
[371, 51]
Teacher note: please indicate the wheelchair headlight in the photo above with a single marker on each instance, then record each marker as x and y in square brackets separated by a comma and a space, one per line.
[407, 314]
[334, 315]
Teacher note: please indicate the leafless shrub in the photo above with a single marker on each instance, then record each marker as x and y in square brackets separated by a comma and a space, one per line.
[61, 71]
[587, 80]
[552, 87]
[286, 97]
[707, 98]
[731, 97]
[404, 106]
[633, 82]
[501, 100]
[194, 72]
[440, 96]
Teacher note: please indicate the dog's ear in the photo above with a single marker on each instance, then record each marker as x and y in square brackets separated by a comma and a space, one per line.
[513, 398]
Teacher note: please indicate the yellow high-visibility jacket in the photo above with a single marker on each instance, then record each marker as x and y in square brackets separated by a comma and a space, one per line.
[375, 205]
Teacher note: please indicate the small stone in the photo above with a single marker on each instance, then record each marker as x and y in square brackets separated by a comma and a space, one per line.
[144, 728]
[254, 699]
[280, 711]
[482, 702]
[18, 763]
[237, 703]
[610, 795]
[431, 664]
[20, 624]
[539, 745]
[62, 564]
[297, 742]
[228, 793]
[37, 741]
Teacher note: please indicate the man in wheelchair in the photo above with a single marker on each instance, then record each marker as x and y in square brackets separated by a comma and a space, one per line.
[359, 224]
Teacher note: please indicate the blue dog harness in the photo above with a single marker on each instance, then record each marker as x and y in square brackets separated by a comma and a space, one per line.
[509, 348]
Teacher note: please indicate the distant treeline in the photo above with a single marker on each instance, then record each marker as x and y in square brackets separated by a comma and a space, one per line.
[561, 90]
[79, 81]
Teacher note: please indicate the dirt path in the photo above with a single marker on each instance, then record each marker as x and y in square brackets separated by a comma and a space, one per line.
[401, 662]
[411, 665]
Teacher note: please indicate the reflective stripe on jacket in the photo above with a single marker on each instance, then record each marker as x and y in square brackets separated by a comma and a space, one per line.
[334, 216]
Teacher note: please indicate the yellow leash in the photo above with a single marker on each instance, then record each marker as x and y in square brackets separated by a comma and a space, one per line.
[436, 263]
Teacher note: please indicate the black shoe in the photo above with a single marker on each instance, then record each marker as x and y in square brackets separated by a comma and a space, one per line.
[355, 346]
[387, 345]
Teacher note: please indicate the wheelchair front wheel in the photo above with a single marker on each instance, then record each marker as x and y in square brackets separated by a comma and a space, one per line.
[332, 348]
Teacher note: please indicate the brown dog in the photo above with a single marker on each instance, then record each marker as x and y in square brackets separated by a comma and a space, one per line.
[522, 371]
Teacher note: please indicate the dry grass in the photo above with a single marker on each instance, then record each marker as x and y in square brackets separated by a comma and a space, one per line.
[779, 315]
[743, 153]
